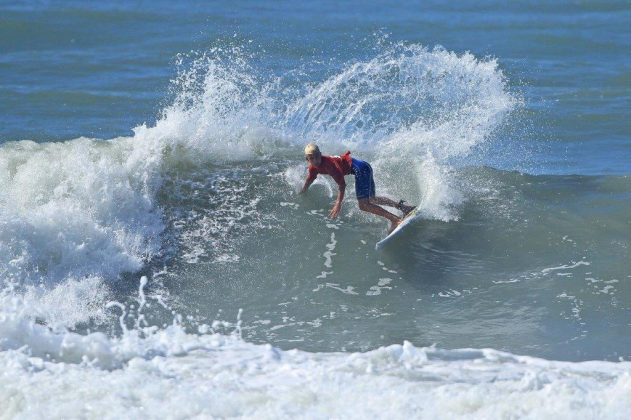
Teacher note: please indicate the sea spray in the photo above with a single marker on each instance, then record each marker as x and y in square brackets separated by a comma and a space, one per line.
[408, 108]
[74, 209]
[92, 209]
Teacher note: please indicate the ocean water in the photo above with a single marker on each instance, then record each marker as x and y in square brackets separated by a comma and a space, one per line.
[157, 261]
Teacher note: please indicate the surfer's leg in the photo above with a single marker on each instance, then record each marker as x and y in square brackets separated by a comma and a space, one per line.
[365, 191]
[367, 206]
[385, 201]
[365, 188]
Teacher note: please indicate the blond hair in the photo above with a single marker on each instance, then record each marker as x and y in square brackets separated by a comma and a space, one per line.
[312, 149]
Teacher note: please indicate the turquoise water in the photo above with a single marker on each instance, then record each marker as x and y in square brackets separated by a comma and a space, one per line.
[151, 233]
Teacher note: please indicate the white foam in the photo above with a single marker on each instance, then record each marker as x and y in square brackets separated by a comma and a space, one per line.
[74, 209]
[68, 303]
[565, 267]
[169, 372]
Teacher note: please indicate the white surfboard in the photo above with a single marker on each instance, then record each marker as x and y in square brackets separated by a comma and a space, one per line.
[406, 221]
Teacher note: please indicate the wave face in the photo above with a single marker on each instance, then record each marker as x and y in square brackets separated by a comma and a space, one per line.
[88, 208]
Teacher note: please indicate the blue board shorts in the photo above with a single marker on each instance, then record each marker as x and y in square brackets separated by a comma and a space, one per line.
[364, 183]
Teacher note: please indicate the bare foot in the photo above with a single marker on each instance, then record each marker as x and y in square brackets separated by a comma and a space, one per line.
[406, 209]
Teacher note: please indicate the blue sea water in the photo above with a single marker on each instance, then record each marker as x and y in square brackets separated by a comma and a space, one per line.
[106, 67]
[152, 241]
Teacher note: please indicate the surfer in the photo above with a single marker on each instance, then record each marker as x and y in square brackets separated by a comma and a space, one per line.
[337, 167]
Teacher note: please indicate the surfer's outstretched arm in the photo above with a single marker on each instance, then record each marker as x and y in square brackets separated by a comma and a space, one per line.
[308, 182]
[338, 202]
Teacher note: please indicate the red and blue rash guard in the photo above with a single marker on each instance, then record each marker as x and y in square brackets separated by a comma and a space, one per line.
[336, 166]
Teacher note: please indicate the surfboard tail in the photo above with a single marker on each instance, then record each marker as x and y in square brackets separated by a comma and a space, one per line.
[407, 219]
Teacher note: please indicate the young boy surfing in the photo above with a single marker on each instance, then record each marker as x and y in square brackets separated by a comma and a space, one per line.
[339, 166]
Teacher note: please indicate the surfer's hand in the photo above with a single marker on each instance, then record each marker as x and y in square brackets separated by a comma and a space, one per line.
[335, 210]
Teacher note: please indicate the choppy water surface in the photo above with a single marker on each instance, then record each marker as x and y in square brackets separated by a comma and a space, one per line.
[151, 232]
